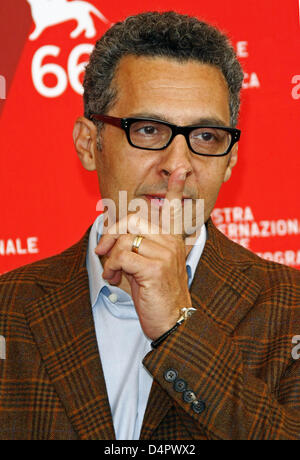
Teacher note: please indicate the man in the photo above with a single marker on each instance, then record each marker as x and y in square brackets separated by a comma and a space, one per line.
[133, 334]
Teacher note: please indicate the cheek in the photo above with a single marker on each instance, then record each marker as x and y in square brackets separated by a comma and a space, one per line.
[210, 175]
[112, 157]
[123, 168]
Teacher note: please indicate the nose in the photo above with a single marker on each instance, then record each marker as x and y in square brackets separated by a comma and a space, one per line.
[176, 155]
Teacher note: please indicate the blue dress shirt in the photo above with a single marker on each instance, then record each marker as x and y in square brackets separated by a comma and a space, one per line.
[121, 341]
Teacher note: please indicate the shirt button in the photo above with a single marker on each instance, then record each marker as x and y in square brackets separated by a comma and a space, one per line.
[189, 396]
[198, 406]
[171, 375]
[180, 385]
[113, 298]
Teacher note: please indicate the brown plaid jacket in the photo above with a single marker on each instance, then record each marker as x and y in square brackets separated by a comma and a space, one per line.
[234, 353]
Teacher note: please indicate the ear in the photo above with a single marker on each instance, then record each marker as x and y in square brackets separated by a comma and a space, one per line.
[85, 141]
[231, 162]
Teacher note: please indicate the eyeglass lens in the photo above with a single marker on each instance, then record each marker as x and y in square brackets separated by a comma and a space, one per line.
[155, 135]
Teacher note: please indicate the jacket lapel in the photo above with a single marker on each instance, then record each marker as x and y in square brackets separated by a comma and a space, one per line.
[225, 285]
[62, 324]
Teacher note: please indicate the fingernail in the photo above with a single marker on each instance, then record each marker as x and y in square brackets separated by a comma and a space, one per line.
[182, 176]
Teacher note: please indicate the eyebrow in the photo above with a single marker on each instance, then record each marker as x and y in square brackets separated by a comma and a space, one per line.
[198, 122]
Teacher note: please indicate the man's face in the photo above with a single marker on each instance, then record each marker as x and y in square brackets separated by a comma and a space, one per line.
[182, 94]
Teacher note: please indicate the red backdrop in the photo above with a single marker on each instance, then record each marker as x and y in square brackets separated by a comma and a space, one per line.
[47, 200]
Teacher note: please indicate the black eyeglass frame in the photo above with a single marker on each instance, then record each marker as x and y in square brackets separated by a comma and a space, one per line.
[125, 123]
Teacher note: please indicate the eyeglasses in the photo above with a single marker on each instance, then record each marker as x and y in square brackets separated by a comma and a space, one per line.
[150, 134]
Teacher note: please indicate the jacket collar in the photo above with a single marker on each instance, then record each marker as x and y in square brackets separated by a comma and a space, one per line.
[62, 324]
[63, 267]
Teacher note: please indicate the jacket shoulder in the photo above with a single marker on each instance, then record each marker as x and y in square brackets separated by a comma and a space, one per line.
[265, 271]
[22, 285]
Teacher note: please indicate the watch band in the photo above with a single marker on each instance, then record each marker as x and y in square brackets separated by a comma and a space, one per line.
[185, 314]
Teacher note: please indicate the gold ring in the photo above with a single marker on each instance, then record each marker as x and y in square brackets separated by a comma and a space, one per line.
[136, 243]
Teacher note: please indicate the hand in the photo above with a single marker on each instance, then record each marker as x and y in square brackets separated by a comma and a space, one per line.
[157, 274]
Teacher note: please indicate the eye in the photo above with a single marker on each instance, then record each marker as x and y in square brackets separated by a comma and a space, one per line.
[206, 136]
[149, 134]
[147, 130]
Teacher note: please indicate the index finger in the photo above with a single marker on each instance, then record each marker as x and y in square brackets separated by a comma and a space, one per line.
[172, 208]
[176, 184]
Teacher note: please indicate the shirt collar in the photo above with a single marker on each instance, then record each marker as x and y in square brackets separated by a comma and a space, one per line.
[94, 266]
[95, 269]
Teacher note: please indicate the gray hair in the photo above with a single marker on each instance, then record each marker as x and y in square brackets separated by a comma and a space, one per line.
[154, 34]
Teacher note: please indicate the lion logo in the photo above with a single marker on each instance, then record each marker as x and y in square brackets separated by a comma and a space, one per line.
[48, 13]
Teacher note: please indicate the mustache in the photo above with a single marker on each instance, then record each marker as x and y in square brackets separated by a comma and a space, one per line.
[153, 189]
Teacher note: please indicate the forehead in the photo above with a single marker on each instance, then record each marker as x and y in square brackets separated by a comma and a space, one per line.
[172, 89]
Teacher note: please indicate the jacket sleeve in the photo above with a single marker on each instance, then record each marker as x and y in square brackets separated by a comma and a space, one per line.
[204, 371]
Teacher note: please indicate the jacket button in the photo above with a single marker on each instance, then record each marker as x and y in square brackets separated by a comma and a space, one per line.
[171, 375]
[189, 396]
[198, 406]
[180, 385]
